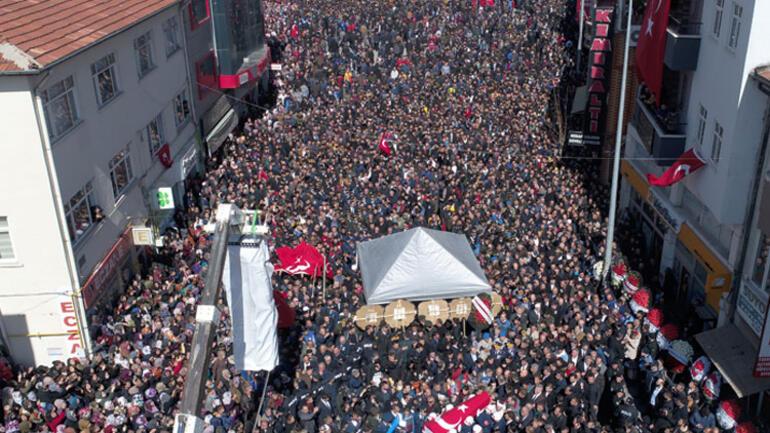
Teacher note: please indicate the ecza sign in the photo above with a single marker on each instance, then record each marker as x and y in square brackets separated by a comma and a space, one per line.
[69, 320]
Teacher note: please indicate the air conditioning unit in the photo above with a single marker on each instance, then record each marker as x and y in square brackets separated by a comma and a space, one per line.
[142, 235]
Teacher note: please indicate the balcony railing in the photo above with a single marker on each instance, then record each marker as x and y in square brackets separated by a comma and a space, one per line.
[661, 133]
[682, 44]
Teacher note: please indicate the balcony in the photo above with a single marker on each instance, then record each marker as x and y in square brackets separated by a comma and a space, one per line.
[660, 131]
[682, 44]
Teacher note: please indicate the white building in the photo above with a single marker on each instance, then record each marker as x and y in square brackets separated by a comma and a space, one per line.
[89, 108]
[703, 230]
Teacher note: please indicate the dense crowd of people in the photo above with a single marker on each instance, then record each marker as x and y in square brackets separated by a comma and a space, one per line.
[464, 89]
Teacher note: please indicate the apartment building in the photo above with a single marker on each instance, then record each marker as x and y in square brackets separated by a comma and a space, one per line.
[105, 111]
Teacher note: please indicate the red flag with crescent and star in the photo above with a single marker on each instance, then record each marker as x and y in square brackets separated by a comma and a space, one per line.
[452, 420]
[303, 259]
[687, 163]
[652, 45]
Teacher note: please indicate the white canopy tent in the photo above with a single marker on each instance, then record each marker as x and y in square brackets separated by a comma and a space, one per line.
[419, 264]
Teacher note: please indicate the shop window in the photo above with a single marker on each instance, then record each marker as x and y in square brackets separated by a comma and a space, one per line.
[200, 12]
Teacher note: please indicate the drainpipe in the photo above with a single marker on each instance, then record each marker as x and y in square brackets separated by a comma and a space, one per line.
[750, 209]
[61, 218]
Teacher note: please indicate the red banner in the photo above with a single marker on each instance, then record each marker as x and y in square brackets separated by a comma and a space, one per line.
[652, 45]
[104, 271]
[304, 259]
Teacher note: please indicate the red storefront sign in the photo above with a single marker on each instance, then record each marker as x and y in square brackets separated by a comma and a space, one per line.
[600, 66]
[72, 346]
[103, 272]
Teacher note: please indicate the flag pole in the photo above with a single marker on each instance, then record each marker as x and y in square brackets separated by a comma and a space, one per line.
[324, 279]
[580, 34]
[618, 140]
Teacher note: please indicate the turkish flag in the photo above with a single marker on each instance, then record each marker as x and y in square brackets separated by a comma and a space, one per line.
[384, 143]
[164, 155]
[652, 45]
[687, 163]
[303, 259]
[452, 419]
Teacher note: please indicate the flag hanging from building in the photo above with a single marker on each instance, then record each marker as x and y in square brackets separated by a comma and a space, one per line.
[304, 259]
[246, 280]
[652, 45]
[687, 163]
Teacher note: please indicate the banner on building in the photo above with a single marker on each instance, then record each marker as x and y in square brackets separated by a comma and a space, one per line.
[652, 45]
[246, 280]
[599, 68]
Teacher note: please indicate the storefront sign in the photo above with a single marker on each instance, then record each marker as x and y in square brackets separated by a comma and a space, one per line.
[73, 347]
[189, 160]
[105, 270]
[599, 70]
[165, 197]
[751, 307]
[666, 211]
[762, 366]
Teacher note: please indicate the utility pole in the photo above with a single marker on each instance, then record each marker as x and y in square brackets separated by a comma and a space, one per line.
[618, 142]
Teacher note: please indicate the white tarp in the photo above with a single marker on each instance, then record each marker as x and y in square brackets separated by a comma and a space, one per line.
[254, 317]
[419, 264]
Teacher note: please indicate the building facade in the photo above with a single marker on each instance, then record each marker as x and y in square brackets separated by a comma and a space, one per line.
[99, 136]
[694, 229]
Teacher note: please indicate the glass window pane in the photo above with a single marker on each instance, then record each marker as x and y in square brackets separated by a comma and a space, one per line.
[760, 260]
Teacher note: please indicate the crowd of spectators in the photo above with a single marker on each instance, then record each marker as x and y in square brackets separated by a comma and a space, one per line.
[464, 87]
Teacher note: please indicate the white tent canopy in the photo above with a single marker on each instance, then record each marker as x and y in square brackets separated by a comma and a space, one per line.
[419, 264]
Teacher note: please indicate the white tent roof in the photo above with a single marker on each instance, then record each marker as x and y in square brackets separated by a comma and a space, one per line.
[419, 264]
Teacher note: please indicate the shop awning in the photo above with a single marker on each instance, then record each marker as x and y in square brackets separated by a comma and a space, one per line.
[580, 101]
[734, 356]
[217, 136]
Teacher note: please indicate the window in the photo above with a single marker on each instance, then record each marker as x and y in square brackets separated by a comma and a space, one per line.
[120, 172]
[105, 80]
[759, 268]
[143, 47]
[181, 108]
[735, 26]
[719, 11]
[716, 147]
[703, 115]
[155, 134]
[59, 105]
[171, 30]
[205, 74]
[6, 248]
[82, 212]
[199, 13]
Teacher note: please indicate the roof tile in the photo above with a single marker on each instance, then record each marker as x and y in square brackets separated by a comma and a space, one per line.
[49, 30]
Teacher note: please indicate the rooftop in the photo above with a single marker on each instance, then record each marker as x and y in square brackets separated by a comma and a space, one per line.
[762, 74]
[37, 33]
